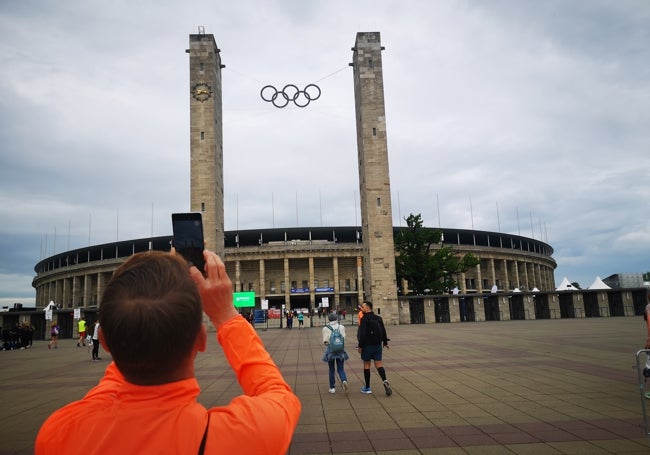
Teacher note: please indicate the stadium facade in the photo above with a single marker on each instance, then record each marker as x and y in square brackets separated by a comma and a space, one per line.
[338, 267]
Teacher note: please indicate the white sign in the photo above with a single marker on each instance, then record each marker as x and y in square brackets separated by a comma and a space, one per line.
[325, 302]
[265, 304]
[48, 315]
[77, 313]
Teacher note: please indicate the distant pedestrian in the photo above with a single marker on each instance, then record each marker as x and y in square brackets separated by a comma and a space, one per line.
[289, 319]
[371, 338]
[335, 356]
[54, 335]
[301, 320]
[27, 334]
[82, 332]
[96, 330]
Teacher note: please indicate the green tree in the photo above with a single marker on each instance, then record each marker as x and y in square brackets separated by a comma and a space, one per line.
[427, 269]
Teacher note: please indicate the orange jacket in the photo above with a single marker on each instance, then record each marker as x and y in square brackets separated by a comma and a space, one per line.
[119, 417]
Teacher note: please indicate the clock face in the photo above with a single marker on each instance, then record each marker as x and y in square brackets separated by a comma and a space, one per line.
[201, 91]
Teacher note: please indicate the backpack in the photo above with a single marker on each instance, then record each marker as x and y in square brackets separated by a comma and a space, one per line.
[337, 342]
[373, 331]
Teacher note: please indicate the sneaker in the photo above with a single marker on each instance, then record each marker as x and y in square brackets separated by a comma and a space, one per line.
[389, 391]
[366, 390]
[332, 390]
[345, 386]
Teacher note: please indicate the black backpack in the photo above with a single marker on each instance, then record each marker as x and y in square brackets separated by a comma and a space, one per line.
[373, 331]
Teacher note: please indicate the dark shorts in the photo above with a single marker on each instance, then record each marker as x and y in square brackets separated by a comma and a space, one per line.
[371, 352]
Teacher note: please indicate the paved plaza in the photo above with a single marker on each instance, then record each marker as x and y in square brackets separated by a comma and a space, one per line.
[513, 387]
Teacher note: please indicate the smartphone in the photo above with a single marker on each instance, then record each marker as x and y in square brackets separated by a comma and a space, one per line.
[188, 238]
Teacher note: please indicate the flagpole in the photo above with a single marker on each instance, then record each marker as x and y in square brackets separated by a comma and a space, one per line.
[354, 195]
[518, 226]
[151, 237]
[498, 218]
[471, 211]
[272, 211]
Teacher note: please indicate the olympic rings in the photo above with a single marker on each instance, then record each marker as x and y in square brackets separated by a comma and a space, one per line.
[290, 93]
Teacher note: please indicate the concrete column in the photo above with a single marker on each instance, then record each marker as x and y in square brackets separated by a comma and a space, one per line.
[374, 181]
[493, 273]
[206, 138]
[517, 279]
[337, 284]
[360, 280]
[238, 284]
[287, 285]
[262, 274]
[312, 291]
[454, 309]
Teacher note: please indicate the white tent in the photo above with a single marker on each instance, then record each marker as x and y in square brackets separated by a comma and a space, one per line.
[598, 284]
[566, 285]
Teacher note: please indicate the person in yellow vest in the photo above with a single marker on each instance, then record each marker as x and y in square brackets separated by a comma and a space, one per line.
[82, 331]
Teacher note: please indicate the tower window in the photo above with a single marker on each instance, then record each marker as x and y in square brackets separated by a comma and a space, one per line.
[370, 63]
[374, 131]
[201, 66]
[203, 206]
[202, 135]
[378, 202]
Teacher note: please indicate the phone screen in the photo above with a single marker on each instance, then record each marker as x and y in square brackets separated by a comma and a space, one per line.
[188, 238]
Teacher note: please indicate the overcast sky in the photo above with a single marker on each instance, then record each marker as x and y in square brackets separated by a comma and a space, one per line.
[528, 118]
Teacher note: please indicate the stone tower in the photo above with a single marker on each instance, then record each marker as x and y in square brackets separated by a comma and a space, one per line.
[379, 277]
[206, 138]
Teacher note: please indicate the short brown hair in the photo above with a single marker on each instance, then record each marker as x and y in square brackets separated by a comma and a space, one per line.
[150, 315]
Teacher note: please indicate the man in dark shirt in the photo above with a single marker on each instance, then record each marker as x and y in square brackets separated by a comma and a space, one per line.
[371, 338]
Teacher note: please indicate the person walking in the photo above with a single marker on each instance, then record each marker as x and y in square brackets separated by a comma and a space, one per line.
[82, 332]
[95, 338]
[151, 318]
[371, 337]
[335, 354]
[301, 320]
[54, 335]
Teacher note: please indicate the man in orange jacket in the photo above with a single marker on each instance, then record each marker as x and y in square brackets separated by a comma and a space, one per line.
[151, 319]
